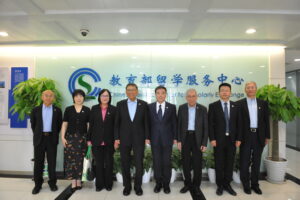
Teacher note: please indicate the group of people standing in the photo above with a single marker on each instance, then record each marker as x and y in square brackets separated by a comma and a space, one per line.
[133, 123]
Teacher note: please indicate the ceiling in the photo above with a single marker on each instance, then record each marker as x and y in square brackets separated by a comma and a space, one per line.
[151, 21]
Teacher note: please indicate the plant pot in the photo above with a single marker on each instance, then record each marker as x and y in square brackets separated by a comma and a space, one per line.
[236, 177]
[211, 175]
[173, 176]
[147, 176]
[275, 170]
[119, 177]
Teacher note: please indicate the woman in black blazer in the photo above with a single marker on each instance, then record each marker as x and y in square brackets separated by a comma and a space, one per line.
[101, 137]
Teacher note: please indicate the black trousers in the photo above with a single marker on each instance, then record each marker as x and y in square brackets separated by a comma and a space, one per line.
[103, 156]
[138, 156]
[162, 163]
[46, 147]
[191, 159]
[250, 155]
[224, 159]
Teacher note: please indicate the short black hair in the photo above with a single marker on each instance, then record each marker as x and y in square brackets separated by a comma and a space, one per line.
[224, 85]
[101, 92]
[161, 87]
[131, 84]
[78, 92]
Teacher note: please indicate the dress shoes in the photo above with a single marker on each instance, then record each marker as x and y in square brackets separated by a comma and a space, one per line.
[126, 191]
[229, 189]
[256, 189]
[247, 190]
[184, 189]
[36, 189]
[219, 191]
[138, 191]
[53, 188]
[157, 187]
[167, 189]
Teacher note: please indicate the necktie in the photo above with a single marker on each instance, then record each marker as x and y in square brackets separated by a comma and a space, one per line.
[159, 113]
[226, 117]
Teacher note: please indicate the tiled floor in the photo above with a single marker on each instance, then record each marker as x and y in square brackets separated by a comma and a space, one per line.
[293, 158]
[20, 189]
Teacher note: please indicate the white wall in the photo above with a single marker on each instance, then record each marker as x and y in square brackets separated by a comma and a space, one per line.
[16, 148]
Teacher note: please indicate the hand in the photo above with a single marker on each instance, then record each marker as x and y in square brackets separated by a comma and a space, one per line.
[237, 143]
[117, 143]
[266, 141]
[147, 141]
[89, 143]
[203, 148]
[179, 145]
[64, 142]
[174, 141]
[213, 143]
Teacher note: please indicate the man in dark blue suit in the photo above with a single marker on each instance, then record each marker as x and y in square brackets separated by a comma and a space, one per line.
[162, 130]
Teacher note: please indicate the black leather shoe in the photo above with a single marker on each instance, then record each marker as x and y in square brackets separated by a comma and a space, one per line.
[36, 189]
[167, 189]
[256, 189]
[229, 189]
[247, 190]
[126, 191]
[108, 188]
[157, 187]
[98, 189]
[79, 187]
[184, 189]
[53, 188]
[219, 191]
[138, 191]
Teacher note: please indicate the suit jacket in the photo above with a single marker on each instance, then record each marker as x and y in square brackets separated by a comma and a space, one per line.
[217, 123]
[263, 123]
[36, 120]
[99, 130]
[201, 124]
[163, 131]
[132, 132]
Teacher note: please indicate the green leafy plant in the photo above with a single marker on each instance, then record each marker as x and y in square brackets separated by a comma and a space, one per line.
[147, 162]
[236, 165]
[209, 159]
[176, 159]
[283, 106]
[117, 162]
[27, 95]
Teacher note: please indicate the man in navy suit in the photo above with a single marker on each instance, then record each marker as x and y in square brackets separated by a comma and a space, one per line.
[225, 136]
[131, 134]
[163, 124]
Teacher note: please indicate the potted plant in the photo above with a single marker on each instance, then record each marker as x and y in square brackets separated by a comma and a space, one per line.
[236, 168]
[27, 95]
[175, 163]
[210, 165]
[117, 166]
[283, 106]
[147, 162]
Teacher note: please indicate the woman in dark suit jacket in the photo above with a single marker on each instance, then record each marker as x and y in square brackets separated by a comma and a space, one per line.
[101, 137]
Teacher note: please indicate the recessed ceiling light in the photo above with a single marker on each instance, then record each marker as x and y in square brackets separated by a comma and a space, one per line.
[203, 66]
[3, 34]
[250, 31]
[250, 72]
[124, 31]
[290, 77]
[134, 57]
[262, 66]
[297, 59]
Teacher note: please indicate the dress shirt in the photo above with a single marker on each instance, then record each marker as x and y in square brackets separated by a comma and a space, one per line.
[47, 113]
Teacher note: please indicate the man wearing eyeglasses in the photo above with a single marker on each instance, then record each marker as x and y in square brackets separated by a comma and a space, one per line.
[192, 140]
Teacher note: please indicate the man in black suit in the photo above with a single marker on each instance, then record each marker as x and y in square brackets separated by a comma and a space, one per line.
[163, 124]
[131, 133]
[255, 135]
[224, 135]
[46, 121]
[192, 139]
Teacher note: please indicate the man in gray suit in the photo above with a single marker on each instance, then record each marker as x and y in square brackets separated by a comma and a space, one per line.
[192, 139]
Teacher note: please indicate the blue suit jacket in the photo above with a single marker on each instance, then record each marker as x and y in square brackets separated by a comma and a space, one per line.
[163, 132]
